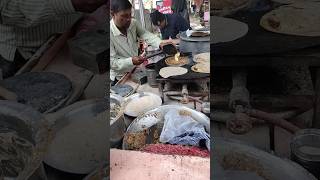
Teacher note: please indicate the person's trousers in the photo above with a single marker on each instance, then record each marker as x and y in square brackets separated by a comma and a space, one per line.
[8, 68]
[112, 83]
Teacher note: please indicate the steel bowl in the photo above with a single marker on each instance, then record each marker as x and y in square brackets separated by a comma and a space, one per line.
[157, 99]
[30, 125]
[81, 138]
[238, 156]
[143, 122]
[117, 125]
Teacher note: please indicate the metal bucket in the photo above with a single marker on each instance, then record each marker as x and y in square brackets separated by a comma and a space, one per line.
[117, 125]
[237, 156]
[29, 125]
[81, 138]
[305, 150]
[151, 75]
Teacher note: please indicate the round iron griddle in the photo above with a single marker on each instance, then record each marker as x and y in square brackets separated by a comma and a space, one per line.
[190, 75]
[41, 90]
[259, 41]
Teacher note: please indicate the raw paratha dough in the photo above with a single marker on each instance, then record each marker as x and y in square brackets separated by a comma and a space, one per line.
[300, 19]
[172, 71]
[202, 58]
[227, 29]
[201, 68]
[226, 7]
[141, 105]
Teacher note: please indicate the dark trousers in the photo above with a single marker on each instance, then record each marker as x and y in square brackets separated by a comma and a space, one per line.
[10, 68]
[114, 82]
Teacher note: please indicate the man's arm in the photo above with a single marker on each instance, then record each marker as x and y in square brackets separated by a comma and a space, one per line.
[117, 62]
[150, 38]
[26, 13]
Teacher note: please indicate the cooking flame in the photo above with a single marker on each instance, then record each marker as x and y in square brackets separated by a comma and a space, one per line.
[176, 56]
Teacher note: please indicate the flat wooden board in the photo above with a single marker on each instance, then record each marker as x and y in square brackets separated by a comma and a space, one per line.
[127, 164]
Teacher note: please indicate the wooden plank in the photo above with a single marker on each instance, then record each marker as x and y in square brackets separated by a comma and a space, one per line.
[97, 87]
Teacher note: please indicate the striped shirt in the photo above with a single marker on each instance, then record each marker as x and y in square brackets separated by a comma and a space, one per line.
[26, 24]
[123, 48]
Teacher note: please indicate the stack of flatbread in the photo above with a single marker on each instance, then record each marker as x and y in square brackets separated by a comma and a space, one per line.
[140, 105]
[227, 7]
[202, 63]
[301, 19]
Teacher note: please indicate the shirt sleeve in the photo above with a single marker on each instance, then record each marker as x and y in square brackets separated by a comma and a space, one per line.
[25, 13]
[150, 38]
[119, 63]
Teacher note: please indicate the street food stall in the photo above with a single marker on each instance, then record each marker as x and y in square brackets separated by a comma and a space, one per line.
[153, 100]
[264, 91]
[56, 104]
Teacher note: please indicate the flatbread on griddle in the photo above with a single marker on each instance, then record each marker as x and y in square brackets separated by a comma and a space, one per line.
[172, 71]
[227, 7]
[202, 58]
[226, 29]
[293, 1]
[301, 19]
[201, 68]
[182, 60]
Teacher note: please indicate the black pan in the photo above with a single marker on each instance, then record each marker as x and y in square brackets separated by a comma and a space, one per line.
[167, 50]
[259, 41]
[190, 75]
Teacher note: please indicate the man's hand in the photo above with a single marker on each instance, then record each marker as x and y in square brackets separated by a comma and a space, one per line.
[137, 60]
[87, 6]
[169, 41]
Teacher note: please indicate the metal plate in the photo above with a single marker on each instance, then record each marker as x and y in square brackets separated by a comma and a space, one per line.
[44, 91]
[123, 90]
[188, 76]
[157, 102]
[259, 41]
[266, 164]
[81, 137]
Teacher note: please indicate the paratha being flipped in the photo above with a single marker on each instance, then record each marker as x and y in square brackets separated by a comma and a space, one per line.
[295, 19]
[182, 60]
